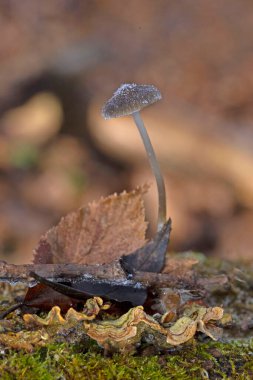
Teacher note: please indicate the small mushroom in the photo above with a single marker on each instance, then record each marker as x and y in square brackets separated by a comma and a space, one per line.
[129, 99]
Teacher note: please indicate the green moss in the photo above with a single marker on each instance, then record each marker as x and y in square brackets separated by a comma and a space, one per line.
[209, 360]
[63, 362]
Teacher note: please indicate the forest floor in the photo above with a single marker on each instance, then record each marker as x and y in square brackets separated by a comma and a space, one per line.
[200, 358]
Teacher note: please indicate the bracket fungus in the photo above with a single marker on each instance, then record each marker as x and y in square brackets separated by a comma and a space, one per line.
[129, 99]
[123, 334]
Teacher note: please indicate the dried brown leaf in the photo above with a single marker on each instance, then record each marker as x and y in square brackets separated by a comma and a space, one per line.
[98, 233]
[44, 297]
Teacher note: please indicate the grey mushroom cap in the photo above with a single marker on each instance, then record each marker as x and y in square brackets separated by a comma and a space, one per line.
[130, 98]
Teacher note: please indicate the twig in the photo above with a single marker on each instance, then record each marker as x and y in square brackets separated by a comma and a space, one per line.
[66, 272]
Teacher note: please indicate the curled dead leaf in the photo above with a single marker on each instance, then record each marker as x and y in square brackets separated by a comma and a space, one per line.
[151, 256]
[96, 234]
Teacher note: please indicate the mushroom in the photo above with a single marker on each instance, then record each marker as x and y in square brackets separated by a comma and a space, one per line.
[129, 99]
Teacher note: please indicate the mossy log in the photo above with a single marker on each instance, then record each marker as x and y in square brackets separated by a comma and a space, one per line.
[200, 358]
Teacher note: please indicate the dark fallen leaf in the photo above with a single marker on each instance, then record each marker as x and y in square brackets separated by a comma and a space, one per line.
[44, 297]
[120, 291]
[150, 257]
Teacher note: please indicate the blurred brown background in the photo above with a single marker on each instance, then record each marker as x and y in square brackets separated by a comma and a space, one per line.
[61, 60]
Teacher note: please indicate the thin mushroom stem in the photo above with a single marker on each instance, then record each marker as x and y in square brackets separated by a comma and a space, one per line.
[155, 169]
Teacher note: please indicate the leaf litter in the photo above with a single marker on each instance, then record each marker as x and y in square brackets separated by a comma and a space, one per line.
[125, 332]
